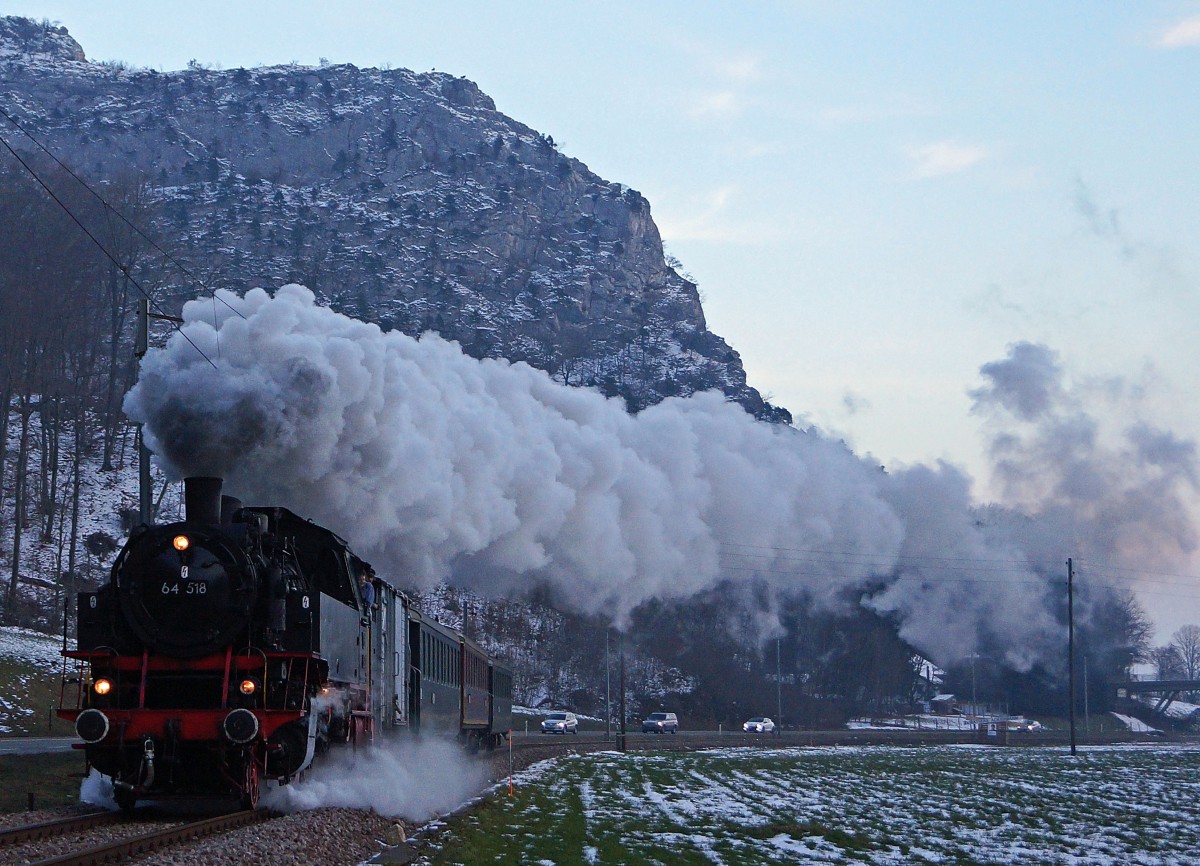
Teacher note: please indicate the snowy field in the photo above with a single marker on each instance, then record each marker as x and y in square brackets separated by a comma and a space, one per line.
[946, 805]
[29, 666]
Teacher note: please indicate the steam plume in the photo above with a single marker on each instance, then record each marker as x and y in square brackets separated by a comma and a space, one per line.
[413, 779]
[439, 466]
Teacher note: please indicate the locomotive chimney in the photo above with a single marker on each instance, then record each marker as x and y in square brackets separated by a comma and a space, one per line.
[202, 499]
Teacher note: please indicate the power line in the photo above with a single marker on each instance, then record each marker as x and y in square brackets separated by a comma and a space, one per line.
[121, 267]
[110, 210]
[849, 553]
[977, 564]
[778, 566]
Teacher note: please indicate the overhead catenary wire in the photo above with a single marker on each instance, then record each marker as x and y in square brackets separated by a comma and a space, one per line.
[110, 210]
[976, 563]
[121, 267]
[943, 570]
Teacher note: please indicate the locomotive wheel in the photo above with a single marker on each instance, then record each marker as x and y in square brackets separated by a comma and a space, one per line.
[251, 787]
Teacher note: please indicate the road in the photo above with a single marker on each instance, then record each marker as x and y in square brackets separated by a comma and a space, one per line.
[840, 737]
[35, 745]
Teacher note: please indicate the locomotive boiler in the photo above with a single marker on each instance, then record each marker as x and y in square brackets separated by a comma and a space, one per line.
[240, 644]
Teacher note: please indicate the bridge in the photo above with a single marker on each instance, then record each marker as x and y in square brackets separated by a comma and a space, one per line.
[1168, 689]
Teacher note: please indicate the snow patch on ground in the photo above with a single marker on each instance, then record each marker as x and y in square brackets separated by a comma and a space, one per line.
[1135, 725]
[30, 647]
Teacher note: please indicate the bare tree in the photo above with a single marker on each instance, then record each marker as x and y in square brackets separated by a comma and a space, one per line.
[48, 277]
[1166, 661]
[1186, 642]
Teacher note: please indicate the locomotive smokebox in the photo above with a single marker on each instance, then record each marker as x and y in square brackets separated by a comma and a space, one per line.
[202, 500]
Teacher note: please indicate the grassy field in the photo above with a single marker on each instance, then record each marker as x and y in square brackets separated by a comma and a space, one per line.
[28, 697]
[52, 779]
[945, 805]
[30, 669]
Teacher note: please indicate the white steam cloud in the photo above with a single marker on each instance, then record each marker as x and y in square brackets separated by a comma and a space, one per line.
[438, 466]
[1104, 483]
[414, 779]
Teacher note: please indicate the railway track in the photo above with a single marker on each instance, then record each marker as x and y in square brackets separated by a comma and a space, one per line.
[87, 852]
[60, 827]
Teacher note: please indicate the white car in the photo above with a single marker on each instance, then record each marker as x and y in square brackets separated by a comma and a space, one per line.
[759, 725]
[560, 723]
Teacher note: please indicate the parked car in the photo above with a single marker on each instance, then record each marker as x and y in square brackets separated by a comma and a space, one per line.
[560, 723]
[759, 725]
[660, 723]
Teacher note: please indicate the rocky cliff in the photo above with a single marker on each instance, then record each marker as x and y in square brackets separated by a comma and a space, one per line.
[403, 198]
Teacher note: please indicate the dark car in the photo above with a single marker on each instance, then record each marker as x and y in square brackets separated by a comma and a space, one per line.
[660, 723]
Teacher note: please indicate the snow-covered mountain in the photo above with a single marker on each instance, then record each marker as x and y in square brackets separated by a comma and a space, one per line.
[402, 198]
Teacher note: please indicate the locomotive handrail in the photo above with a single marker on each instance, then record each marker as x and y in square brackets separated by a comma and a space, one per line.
[142, 689]
[253, 649]
[225, 679]
[82, 688]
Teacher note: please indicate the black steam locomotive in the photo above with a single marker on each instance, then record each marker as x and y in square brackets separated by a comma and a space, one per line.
[238, 645]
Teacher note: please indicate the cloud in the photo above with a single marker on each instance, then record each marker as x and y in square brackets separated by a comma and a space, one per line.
[1074, 452]
[743, 69]
[896, 106]
[1027, 383]
[1184, 34]
[708, 218]
[946, 157]
[1103, 223]
[855, 403]
[717, 104]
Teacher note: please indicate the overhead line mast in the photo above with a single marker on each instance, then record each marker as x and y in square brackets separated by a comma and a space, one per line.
[142, 344]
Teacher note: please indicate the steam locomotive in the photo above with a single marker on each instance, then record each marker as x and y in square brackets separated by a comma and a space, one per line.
[238, 645]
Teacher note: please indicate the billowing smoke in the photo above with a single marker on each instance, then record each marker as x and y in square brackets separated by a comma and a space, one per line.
[1106, 486]
[414, 779]
[97, 790]
[1112, 486]
[439, 466]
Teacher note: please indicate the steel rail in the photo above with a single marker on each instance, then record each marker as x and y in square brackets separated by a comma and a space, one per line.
[58, 827]
[147, 842]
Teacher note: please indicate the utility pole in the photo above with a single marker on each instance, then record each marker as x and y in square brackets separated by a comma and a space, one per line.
[974, 702]
[1071, 647]
[145, 494]
[140, 347]
[607, 688]
[1087, 719]
[621, 699]
[778, 693]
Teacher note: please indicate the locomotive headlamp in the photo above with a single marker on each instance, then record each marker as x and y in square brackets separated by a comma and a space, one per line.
[247, 686]
[181, 542]
[92, 726]
[102, 686]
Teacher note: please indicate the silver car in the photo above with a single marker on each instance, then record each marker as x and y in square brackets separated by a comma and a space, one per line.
[660, 723]
[560, 723]
[759, 725]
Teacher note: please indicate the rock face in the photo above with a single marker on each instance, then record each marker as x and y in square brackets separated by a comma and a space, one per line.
[402, 198]
[23, 40]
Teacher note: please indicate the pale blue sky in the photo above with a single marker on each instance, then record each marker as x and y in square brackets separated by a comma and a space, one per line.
[875, 197]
